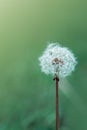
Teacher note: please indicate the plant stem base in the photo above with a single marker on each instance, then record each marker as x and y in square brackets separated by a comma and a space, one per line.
[57, 110]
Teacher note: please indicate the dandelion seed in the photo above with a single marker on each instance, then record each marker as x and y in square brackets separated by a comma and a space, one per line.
[57, 60]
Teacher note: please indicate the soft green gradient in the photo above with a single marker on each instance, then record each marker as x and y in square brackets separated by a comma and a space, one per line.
[27, 96]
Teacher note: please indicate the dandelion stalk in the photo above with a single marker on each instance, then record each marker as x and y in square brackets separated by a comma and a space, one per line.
[58, 61]
[57, 108]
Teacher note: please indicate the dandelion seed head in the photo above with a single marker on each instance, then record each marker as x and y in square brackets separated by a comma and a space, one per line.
[57, 60]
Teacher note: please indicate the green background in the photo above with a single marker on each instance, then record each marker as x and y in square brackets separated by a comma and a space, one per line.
[27, 96]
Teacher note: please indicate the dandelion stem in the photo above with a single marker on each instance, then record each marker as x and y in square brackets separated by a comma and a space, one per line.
[57, 111]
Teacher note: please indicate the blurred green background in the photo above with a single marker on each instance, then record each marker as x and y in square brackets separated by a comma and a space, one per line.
[27, 96]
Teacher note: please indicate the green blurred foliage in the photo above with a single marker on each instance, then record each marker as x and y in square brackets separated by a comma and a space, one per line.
[27, 96]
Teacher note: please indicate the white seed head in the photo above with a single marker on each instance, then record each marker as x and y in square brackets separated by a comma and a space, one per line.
[57, 60]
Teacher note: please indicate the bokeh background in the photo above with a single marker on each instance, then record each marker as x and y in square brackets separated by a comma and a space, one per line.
[27, 96]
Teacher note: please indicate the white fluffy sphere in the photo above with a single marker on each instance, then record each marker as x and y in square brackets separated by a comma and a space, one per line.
[57, 60]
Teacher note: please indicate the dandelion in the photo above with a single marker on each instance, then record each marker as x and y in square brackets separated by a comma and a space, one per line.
[60, 62]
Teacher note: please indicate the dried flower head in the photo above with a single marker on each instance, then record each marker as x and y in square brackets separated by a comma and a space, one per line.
[57, 60]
